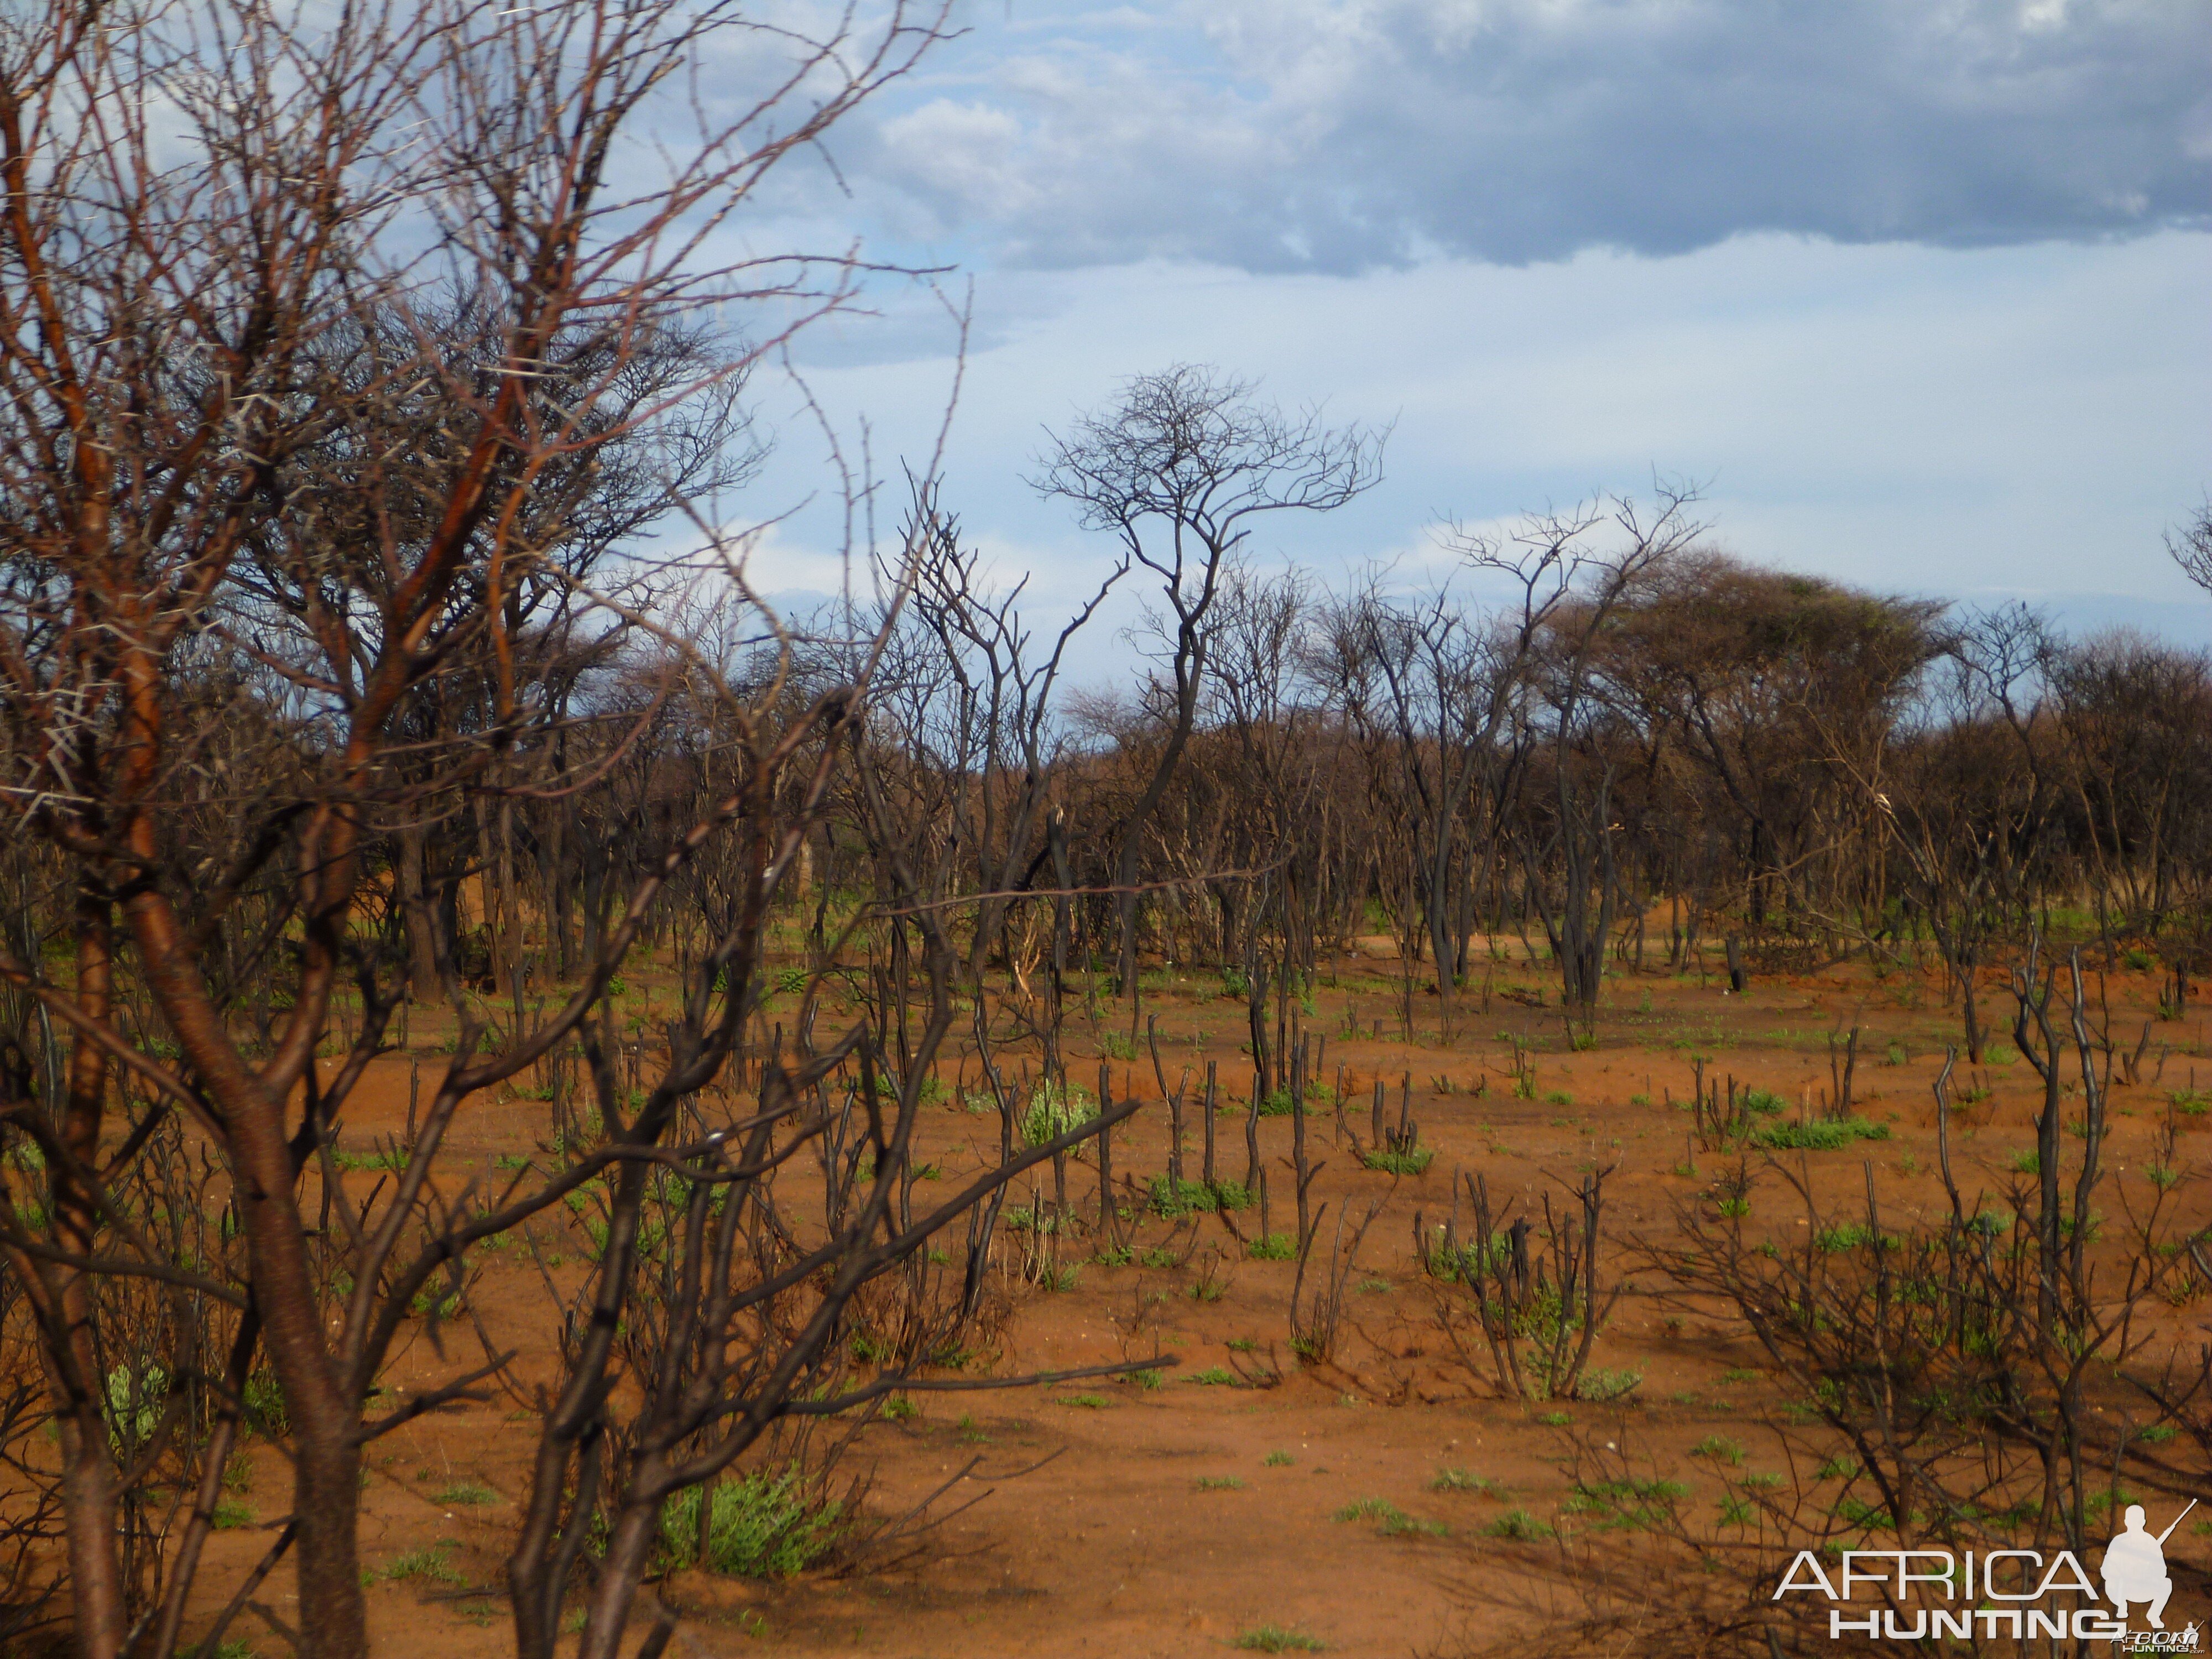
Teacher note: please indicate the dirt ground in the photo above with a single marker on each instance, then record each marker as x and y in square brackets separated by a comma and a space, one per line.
[1118, 1519]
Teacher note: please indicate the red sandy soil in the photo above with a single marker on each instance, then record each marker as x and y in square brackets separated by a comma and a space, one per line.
[1112, 1547]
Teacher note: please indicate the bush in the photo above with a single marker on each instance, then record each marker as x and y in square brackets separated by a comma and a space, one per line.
[761, 1526]
[1171, 1200]
[1412, 1163]
[1054, 1109]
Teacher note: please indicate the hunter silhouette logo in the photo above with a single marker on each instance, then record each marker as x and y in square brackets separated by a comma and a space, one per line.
[2135, 1566]
[2003, 1592]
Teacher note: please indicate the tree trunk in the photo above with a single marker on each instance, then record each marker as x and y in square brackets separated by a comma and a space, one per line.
[422, 924]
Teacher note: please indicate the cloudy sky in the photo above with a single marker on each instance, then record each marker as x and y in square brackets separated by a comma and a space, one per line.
[1915, 288]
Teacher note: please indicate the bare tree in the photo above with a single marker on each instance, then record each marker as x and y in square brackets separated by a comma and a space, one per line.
[2190, 545]
[1177, 471]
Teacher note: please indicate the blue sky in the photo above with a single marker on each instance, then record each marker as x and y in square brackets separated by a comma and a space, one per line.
[1916, 288]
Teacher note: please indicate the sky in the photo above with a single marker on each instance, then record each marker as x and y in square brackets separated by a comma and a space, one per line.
[1914, 290]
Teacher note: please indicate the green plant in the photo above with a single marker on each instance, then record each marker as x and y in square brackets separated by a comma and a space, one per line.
[1219, 1483]
[1554, 1420]
[760, 1525]
[1172, 1200]
[1275, 1638]
[2028, 1163]
[1843, 1237]
[1092, 1402]
[1148, 1379]
[1626, 1504]
[1559, 1097]
[1390, 1520]
[425, 1561]
[1413, 1162]
[1463, 1481]
[1213, 1376]
[229, 1514]
[1719, 1448]
[1602, 1386]
[467, 1492]
[134, 1399]
[1821, 1135]
[1519, 1526]
[1278, 1460]
[1274, 1247]
[1054, 1109]
[899, 1409]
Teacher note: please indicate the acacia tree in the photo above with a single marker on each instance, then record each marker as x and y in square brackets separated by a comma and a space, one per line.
[1177, 471]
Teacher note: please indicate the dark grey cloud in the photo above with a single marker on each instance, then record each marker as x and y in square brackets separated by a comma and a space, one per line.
[1337, 135]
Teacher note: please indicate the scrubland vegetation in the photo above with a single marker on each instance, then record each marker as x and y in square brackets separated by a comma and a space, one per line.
[1656, 1062]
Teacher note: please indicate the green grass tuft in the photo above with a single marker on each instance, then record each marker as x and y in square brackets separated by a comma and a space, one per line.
[760, 1525]
[1275, 1638]
[1822, 1135]
[1519, 1526]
